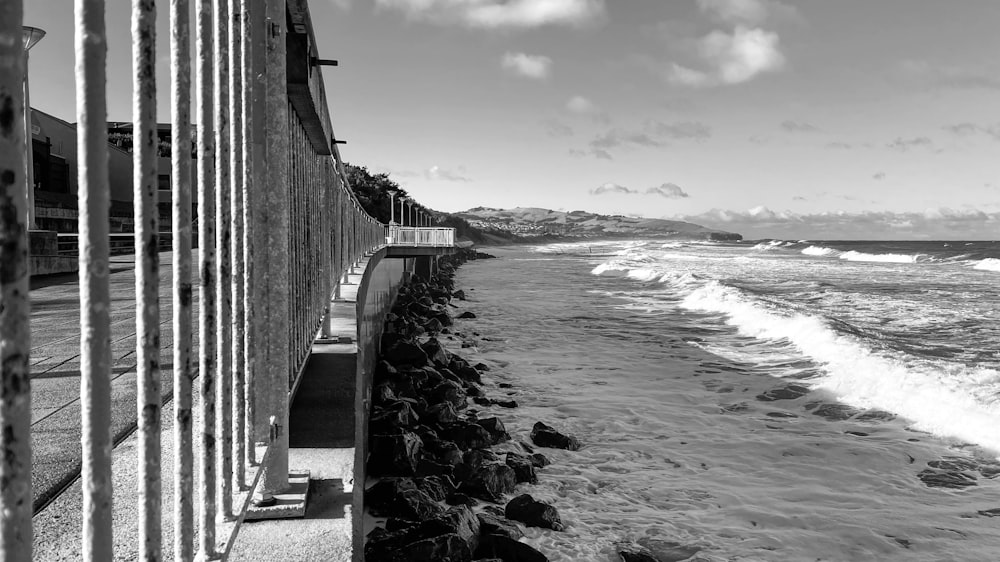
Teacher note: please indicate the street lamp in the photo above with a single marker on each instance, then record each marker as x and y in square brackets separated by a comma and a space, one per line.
[392, 208]
[31, 35]
[401, 217]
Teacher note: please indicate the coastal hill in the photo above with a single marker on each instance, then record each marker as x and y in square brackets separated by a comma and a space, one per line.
[529, 222]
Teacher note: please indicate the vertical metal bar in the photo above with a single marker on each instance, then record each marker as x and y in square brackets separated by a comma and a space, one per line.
[238, 75]
[95, 300]
[204, 77]
[180, 156]
[15, 332]
[254, 153]
[223, 265]
[147, 274]
[273, 379]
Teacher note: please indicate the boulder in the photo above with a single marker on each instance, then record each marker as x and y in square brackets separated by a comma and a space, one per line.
[467, 435]
[394, 455]
[438, 355]
[382, 394]
[449, 391]
[546, 436]
[442, 413]
[398, 547]
[400, 497]
[508, 549]
[492, 524]
[482, 367]
[505, 403]
[539, 460]
[459, 294]
[398, 414]
[533, 513]
[405, 353]
[466, 314]
[493, 426]
[437, 487]
[524, 469]
[490, 482]
[458, 498]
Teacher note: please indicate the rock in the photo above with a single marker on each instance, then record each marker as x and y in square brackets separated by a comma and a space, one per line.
[467, 435]
[399, 414]
[458, 498]
[539, 460]
[400, 497]
[490, 482]
[459, 294]
[505, 385]
[397, 548]
[492, 524]
[473, 390]
[482, 367]
[442, 413]
[433, 326]
[505, 403]
[546, 436]
[508, 549]
[433, 467]
[787, 392]
[438, 355]
[467, 373]
[466, 314]
[395, 455]
[448, 452]
[533, 513]
[382, 394]
[524, 469]
[668, 551]
[449, 391]
[498, 433]
[482, 400]
[405, 353]
[635, 553]
[437, 487]
[383, 371]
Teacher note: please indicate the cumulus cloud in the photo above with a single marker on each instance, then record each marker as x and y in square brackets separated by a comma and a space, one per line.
[969, 129]
[582, 105]
[612, 188]
[904, 145]
[956, 77]
[556, 128]
[495, 14]
[749, 12]
[621, 137]
[798, 127]
[839, 145]
[668, 190]
[652, 134]
[598, 153]
[437, 173]
[878, 176]
[732, 58]
[680, 130]
[933, 224]
[530, 66]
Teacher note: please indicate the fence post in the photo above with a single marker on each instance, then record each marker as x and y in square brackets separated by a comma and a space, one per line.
[15, 333]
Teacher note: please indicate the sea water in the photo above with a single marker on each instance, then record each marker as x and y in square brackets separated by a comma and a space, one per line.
[781, 400]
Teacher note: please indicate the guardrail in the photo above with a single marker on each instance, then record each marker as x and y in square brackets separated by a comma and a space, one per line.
[418, 236]
[278, 229]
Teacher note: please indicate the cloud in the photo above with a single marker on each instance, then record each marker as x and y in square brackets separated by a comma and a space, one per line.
[798, 127]
[839, 145]
[582, 105]
[530, 66]
[598, 153]
[342, 4]
[496, 14]
[951, 77]
[878, 176]
[932, 224]
[732, 58]
[612, 188]
[749, 12]
[904, 145]
[969, 129]
[680, 130]
[668, 190]
[556, 128]
[621, 137]
[436, 173]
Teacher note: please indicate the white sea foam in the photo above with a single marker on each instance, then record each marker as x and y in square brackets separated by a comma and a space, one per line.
[936, 400]
[882, 258]
[988, 264]
[818, 251]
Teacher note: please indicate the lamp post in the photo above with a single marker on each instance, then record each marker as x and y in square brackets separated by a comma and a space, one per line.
[401, 200]
[31, 35]
[392, 208]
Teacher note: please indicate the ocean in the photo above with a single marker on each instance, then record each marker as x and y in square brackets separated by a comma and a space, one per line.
[780, 400]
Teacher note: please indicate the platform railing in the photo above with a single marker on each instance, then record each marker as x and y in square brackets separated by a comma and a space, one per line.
[279, 228]
[419, 236]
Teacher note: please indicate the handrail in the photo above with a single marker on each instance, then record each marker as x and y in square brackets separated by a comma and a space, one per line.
[419, 236]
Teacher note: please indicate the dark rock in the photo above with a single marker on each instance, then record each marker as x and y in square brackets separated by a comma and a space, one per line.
[468, 343]
[438, 355]
[433, 326]
[437, 487]
[498, 433]
[533, 513]
[539, 460]
[953, 480]
[450, 375]
[508, 549]
[524, 469]
[383, 371]
[490, 482]
[433, 467]
[382, 394]
[442, 413]
[449, 391]
[459, 498]
[505, 385]
[476, 458]
[396, 547]
[467, 435]
[459, 294]
[995, 512]
[505, 403]
[492, 524]
[448, 452]
[398, 414]
[835, 412]
[395, 455]
[546, 436]
[482, 367]
[635, 553]
[400, 497]
[482, 400]
[467, 373]
[473, 390]
[668, 551]
[466, 314]
[405, 353]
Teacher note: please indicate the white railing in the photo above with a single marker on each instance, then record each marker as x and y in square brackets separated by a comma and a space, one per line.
[414, 236]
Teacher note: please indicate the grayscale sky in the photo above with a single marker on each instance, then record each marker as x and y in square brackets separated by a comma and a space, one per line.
[797, 119]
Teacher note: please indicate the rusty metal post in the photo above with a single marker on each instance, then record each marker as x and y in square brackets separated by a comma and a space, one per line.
[204, 80]
[15, 332]
[223, 264]
[95, 300]
[180, 156]
[273, 303]
[147, 275]
[238, 175]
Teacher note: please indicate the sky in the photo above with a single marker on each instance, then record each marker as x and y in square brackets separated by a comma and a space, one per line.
[844, 119]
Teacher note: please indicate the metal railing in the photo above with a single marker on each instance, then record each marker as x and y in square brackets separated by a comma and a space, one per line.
[418, 236]
[278, 229]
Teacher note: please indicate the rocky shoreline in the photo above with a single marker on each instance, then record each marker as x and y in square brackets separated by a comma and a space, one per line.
[444, 473]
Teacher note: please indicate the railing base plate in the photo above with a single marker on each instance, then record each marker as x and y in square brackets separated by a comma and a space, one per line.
[290, 503]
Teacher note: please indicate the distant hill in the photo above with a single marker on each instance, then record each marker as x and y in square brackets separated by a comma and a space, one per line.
[532, 222]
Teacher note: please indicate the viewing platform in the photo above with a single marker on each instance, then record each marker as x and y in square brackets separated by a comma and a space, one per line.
[411, 241]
